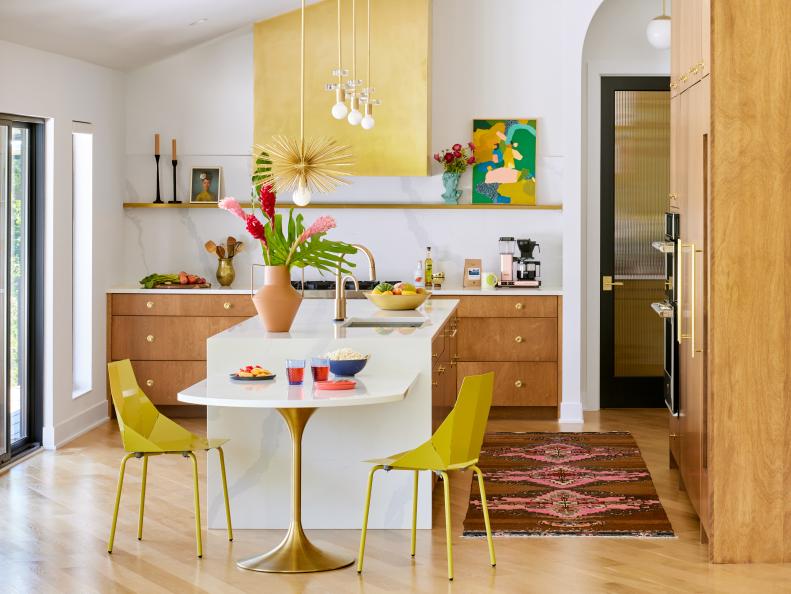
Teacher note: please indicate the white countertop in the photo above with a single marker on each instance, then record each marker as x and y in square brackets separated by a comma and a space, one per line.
[221, 390]
[315, 321]
[445, 291]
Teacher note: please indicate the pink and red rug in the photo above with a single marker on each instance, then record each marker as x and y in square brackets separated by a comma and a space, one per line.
[566, 484]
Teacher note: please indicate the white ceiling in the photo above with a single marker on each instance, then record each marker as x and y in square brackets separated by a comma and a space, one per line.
[125, 34]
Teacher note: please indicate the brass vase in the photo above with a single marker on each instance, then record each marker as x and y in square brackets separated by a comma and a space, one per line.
[277, 302]
[225, 271]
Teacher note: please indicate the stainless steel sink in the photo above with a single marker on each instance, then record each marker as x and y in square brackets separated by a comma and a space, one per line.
[383, 323]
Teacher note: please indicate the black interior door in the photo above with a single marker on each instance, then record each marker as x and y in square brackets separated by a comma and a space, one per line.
[635, 175]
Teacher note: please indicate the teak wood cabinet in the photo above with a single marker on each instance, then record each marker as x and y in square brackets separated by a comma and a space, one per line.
[730, 176]
[165, 337]
[519, 338]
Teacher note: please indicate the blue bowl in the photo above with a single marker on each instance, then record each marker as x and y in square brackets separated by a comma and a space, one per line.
[347, 368]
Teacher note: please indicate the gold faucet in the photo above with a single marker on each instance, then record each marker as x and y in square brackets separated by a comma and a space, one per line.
[371, 262]
[340, 283]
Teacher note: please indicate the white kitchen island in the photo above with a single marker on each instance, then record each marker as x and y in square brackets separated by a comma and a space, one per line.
[338, 439]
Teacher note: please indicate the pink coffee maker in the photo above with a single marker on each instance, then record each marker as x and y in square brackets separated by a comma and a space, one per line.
[507, 249]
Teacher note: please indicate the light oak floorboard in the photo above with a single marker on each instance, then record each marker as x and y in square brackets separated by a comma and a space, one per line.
[56, 511]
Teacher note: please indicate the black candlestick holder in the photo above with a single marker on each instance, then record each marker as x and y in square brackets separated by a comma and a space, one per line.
[159, 197]
[174, 201]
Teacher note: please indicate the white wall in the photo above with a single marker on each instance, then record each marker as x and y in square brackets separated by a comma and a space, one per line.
[63, 90]
[616, 45]
[520, 58]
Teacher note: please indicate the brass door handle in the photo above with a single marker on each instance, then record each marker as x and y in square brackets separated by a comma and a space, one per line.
[227, 305]
[607, 283]
[518, 339]
[518, 306]
[518, 384]
[149, 382]
[150, 304]
[150, 338]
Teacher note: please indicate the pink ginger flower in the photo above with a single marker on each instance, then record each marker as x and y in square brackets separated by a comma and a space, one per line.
[267, 198]
[232, 206]
[321, 225]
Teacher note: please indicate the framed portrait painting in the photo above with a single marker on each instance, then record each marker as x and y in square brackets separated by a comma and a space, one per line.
[205, 184]
[505, 161]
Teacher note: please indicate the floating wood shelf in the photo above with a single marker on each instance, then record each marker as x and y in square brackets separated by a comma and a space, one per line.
[373, 205]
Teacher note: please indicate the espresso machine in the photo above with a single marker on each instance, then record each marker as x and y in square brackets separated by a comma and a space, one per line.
[522, 271]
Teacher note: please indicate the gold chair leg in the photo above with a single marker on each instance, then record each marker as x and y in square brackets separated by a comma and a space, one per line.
[197, 502]
[117, 501]
[414, 513]
[446, 489]
[365, 518]
[142, 498]
[485, 509]
[225, 494]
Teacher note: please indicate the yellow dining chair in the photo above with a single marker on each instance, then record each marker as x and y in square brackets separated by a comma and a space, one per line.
[146, 432]
[456, 445]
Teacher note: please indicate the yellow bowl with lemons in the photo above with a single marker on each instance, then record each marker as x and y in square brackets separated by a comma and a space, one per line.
[398, 297]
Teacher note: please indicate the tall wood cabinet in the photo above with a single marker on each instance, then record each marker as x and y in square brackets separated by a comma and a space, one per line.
[730, 179]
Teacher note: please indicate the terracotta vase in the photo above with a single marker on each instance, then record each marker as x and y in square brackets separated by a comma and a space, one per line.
[277, 302]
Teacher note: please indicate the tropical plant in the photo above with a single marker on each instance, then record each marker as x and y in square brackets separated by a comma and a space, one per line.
[296, 245]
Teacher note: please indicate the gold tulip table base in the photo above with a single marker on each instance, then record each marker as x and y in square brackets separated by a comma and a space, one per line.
[296, 554]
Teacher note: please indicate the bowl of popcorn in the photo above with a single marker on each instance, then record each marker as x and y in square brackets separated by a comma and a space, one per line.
[346, 362]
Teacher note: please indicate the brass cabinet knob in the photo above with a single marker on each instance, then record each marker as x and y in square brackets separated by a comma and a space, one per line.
[518, 384]
[518, 339]
[440, 369]
[150, 304]
[150, 338]
[435, 355]
[673, 85]
[435, 384]
[149, 382]
[519, 306]
[227, 305]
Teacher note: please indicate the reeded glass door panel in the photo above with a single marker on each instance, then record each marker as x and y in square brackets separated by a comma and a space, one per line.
[641, 181]
[17, 282]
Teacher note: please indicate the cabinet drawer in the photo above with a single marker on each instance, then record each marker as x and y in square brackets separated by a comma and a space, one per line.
[509, 307]
[508, 339]
[518, 384]
[152, 338]
[124, 304]
[162, 380]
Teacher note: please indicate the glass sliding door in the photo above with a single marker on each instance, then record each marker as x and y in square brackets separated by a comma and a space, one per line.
[20, 246]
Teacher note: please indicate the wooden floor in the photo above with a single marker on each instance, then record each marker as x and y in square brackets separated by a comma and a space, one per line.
[55, 511]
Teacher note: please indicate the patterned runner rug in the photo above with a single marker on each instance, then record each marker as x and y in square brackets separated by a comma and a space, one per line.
[566, 484]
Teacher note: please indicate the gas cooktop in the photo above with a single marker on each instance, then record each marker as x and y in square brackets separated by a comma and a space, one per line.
[327, 285]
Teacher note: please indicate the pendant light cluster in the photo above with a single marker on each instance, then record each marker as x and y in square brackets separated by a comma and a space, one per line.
[301, 165]
[352, 89]
[658, 30]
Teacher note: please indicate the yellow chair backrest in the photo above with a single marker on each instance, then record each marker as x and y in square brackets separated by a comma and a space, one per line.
[143, 427]
[460, 436]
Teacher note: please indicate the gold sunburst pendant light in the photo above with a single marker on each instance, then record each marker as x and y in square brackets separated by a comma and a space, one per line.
[305, 166]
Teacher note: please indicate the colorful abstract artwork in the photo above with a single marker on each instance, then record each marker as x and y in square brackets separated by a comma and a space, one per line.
[505, 161]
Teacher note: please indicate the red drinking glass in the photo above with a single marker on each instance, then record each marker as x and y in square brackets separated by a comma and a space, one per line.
[320, 369]
[295, 371]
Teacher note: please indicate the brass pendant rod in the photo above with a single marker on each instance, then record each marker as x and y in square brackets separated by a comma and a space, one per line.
[369, 46]
[340, 54]
[354, 44]
[664, 6]
[302, 80]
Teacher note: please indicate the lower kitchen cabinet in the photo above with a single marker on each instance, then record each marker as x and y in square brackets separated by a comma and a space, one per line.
[165, 338]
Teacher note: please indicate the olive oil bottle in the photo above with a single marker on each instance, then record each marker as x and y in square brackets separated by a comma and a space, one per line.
[428, 269]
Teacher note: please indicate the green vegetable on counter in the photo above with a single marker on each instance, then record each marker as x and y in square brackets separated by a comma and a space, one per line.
[159, 279]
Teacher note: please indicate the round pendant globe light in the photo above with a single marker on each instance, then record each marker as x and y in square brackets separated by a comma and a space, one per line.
[658, 30]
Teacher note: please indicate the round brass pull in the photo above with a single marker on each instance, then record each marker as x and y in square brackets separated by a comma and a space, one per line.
[519, 306]
[518, 339]
[150, 304]
[227, 305]
[440, 369]
[435, 355]
[150, 338]
[518, 384]
[435, 384]
[149, 382]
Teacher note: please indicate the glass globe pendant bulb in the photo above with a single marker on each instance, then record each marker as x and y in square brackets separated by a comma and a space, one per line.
[339, 110]
[355, 117]
[658, 32]
[368, 121]
[302, 194]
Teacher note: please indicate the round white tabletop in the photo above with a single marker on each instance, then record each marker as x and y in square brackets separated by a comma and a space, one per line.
[221, 390]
